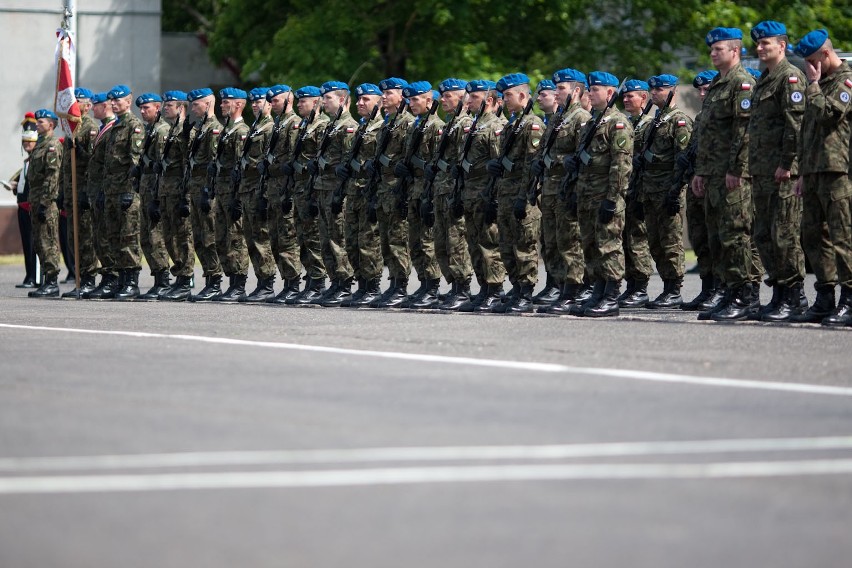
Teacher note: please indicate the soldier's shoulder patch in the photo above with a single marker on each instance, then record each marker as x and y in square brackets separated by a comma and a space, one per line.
[295, 126]
[745, 104]
[466, 129]
[440, 132]
[93, 132]
[350, 130]
[796, 96]
[498, 132]
[51, 148]
[681, 123]
[848, 83]
[745, 87]
[535, 127]
[242, 136]
[844, 97]
[215, 132]
[621, 141]
[793, 79]
[137, 130]
[619, 126]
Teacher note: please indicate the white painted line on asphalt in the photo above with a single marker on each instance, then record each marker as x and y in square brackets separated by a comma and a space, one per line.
[801, 388]
[420, 454]
[416, 475]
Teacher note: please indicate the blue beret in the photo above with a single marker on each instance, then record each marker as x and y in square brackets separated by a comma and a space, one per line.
[277, 90]
[174, 96]
[196, 94]
[478, 85]
[329, 86]
[435, 94]
[81, 93]
[634, 85]
[307, 92]
[569, 75]
[118, 92]
[603, 78]
[46, 113]
[416, 88]
[662, 81]
[258, 94]
[367, 89]
[722, 34]
[232, 93]
[145, 98]
[512, 80]
[451, 85]
[811, 43]
[753, 72]
[545, 85]
[98, 98]
[704, 78]
[768, 29]
[393, 83]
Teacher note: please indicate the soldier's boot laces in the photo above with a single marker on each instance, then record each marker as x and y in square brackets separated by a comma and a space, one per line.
[491, 298]
[549, 294]
[717, 302]
[458, 297]
[608, 304]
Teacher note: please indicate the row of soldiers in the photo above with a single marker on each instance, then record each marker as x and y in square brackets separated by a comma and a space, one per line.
[307, 188]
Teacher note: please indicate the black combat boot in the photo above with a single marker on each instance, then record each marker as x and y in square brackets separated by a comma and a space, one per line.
[524, 304]
[740, 305]
[562, 306]
[586, 290]
[707, 289]
[459, 295]
[386, 294]
[779, 292]
[842, 315]
[579, 307]
[490, 299]
[314, 289]
[292, 298]
[108, 286]
[356, 295]
[343, 293]
[48, 289]
[549, 294]
[822, 307]
[372, 292]
[396, 299]
[87, 286]
[330, 291]
[608, 304]
[160, 287]
[180, 291]
[130, 288]
[483, 290]
[638, 298]
[670, 298]
[630, 285]
[290, 291]
[235, 291]
[429, 298]
[264, 291]
[212, 288]
[508, 299]
[416, 295]
[788, 306]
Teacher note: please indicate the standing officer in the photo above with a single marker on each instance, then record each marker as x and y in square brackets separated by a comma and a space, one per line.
[84, 139]
[518, 222]
[825, 186]
[230, 243]
[637, 256]
[777, 107]
[722, 174]
[123, 153]
[662, 196]
[43, 178]
[202, 104]
[565, 238]
[604, 172]
[148, 174]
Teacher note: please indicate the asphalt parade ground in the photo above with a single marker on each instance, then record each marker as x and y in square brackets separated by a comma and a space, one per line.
[142, 434]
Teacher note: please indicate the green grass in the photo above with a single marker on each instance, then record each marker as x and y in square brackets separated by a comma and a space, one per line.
[11, 259]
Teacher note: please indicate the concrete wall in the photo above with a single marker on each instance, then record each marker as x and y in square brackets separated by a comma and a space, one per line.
[185, 65]
[118, 41]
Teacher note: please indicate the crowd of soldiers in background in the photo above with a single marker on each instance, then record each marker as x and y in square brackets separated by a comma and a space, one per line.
[307, 189]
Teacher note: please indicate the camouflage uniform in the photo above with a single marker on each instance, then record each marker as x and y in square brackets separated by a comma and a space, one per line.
[637, 255]
[176, 230]
[230, 243]
[282, 227]
[151, 234]
[43, 178]
[203, 225]
[95, 188]
[84, 135]
[363, 242]
[256, 222]
[307, 225]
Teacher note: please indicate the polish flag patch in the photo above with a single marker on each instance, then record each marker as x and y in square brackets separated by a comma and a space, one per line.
[215, 132]
[51, 149]
[137, 130]
[619, 126]
[243, 137]
[535, 127]
[745, 87]
[349, 130]
[498, 133]
[793, 79]
[848, 83]
[681, 123]
[466, 129]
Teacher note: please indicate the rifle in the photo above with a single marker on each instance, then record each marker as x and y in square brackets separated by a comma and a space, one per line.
[455, 203]
[149, 138]
[161, 167]
[208, 192]
[581, 155]
[236, 207]
[313, 207]
[269, 157]
[286, 197]
[645, 156]
[489, 195]
[190, 159]
[402, 185]
[354, 153]
[536, 181]
[427, 209]
[375, 176]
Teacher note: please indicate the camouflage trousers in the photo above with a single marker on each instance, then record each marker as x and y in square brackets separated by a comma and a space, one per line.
[777, 230]
[177, 232]
[560, 237]
[88, 259]
[729, 223]
[483, 242]
[602, 245]
[102, 249]
[308, 232]
[151, 234]
[123, 230]
[203, 229]
[696, 227]
[519, 240]
[363, 242]
[256, 234]
[46, 239]
[451, 250]
[637, 255]
[282, 234]
[421, 243]
[665, 235]
[230, 243]
[333, 234]
[393, 230]
[827, 227]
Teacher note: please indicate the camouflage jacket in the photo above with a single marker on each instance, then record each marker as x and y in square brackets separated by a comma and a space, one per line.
[207, 135]
[288, 132]
[43, 173]
[485, 145]
[257, 141]
[672, 137]
[95, 174]
[517, 163]
[608, 162]
[826, 127]
[123, 151]
[394, 150]
[425, 152]
[231, 141]
[84, 136]
[340, 140]
[310, 148]
[456, 135]
[567, 140]
[368, 150]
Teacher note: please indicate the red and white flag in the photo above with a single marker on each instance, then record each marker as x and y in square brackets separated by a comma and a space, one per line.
[66, 103]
